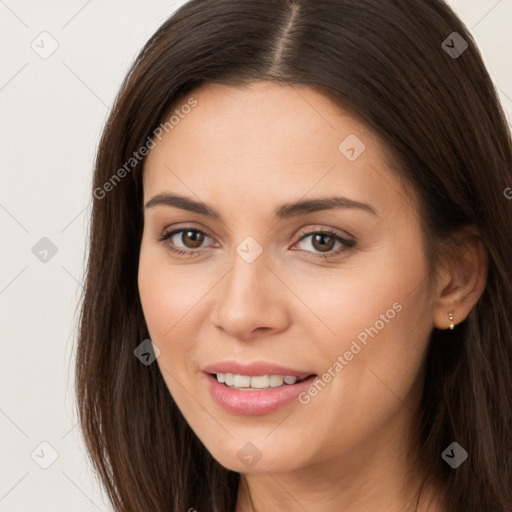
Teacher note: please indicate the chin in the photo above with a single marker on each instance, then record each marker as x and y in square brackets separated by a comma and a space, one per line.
[247, 458]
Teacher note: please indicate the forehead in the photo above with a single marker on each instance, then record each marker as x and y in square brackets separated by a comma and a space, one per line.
[267, 119]
[268, 142]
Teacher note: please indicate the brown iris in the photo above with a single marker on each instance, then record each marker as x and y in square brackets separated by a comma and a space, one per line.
[197, 238]
[322, 246]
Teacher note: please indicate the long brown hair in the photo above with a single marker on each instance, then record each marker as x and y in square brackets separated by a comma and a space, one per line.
[438, 114]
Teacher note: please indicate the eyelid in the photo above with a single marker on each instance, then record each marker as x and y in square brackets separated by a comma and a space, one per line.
[319, 228]
[186, 226]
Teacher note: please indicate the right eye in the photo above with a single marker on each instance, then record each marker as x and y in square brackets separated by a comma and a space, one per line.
[192, 237]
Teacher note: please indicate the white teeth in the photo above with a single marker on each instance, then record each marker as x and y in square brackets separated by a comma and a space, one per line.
[241, 381]
[260, 382]
[256, 382]
[277, 380]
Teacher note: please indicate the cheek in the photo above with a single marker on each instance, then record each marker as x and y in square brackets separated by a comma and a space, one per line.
[164, 302]
[376, 316]
[167, 292]
[154, 296]
[172, 297]
[352, 297]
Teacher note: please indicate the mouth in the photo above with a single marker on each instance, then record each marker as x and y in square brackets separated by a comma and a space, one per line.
[256, 394]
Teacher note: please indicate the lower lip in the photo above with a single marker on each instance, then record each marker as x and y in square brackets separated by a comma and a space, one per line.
[255, 402]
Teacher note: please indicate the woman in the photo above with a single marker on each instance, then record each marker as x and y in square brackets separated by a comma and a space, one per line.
[298, 289]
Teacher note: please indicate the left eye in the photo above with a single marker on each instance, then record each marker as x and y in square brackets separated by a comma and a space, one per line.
[324, 242]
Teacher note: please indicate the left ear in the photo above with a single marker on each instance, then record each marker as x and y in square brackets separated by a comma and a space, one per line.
[462, 279]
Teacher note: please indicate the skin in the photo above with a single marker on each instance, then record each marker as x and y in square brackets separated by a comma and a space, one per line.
[244, 151]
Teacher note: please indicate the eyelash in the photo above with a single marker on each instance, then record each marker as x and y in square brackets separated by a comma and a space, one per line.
[348, 245]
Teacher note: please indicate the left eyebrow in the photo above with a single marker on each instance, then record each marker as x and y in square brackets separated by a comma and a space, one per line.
[297, 208]
[285, 211]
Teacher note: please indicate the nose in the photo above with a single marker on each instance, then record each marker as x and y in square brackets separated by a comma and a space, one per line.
[251, 300]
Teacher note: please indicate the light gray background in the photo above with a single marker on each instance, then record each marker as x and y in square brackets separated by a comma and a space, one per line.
[52, 113]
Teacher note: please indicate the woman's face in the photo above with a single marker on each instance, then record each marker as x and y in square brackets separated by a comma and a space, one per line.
[255, 287]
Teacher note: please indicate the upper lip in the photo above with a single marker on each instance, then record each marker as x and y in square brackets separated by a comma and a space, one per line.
[254, 368]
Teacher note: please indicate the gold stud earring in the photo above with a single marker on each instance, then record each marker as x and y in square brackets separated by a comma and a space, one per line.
[450, 316]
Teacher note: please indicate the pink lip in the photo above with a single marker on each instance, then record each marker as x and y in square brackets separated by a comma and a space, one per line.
[253, 369]
[255, 402]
